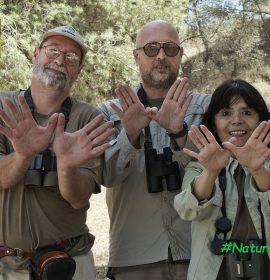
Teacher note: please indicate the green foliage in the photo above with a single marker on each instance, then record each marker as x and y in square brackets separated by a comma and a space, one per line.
[221, 39]
[0, 41]
[232, 42]
[109, 28]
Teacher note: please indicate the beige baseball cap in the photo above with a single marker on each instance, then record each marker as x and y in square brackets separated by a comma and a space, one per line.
[70, 32]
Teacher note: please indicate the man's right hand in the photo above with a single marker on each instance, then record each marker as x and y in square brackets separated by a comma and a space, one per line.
[133, 114]
[26, 137]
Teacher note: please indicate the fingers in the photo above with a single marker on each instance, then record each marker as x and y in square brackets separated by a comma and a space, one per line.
[55, 120]
[209, 136]
[178, 91]
[88, 128]
[151, 112]
[261, 133]
[99, 150]
[181, 92]
[266, 140]
[230, 146]
[126, 96]
[197, 137]
[6, 132]
[26, 112]
[16, 113]
[60, 124]
[186, 104]
[120, 93]
[118, 111]
[190, 153]
[172, 89]
[100, 134]
[7, 120]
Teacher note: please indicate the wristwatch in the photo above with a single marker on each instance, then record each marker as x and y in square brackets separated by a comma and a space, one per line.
[181, 133]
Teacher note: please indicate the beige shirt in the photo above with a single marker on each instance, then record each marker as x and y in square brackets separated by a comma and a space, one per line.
[34, 216]
[143, 224]
[204, 265]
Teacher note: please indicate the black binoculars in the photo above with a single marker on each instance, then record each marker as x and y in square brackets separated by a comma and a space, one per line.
[44, 161]
[249, 266]
[159, 167]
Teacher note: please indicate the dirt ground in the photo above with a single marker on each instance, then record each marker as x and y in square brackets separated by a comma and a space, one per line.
[98, 223]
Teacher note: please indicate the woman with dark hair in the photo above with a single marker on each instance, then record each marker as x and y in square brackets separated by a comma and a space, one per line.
[226, 192]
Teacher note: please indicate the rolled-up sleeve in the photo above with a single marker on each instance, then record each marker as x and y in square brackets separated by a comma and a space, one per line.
[186, 203]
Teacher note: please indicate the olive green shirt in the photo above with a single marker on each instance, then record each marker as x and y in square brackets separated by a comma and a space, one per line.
[33, 215]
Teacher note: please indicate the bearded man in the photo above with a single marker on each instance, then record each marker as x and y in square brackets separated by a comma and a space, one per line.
[143, 172]
[50, 161]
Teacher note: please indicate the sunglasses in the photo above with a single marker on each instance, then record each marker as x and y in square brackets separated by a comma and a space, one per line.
[53, 52]
[152, 49]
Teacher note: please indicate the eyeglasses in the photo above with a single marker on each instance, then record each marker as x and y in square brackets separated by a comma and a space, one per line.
[152, 49]
[53, 52]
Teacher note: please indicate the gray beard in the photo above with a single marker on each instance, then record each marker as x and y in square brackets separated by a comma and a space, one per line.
[151, 82]
[61, 83]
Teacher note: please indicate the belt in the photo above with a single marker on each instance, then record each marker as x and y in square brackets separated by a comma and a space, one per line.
[14, 252]
[67, 244]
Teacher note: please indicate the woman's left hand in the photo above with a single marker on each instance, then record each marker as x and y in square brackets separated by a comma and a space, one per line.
[254, 153]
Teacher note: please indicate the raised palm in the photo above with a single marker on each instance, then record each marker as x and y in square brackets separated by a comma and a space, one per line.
[25, 135]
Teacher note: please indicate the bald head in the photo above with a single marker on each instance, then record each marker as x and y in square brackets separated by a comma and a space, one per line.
[157, 31]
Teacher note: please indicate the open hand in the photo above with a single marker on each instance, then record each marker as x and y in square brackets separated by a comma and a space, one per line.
[211, 155]
[74, 149]
[133, 114]
[26, 136]
[173, 110]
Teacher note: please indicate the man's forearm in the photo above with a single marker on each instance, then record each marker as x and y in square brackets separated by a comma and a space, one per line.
[76, 186]
[13, 168]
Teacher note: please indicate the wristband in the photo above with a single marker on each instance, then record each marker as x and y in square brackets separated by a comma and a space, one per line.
[181, 133]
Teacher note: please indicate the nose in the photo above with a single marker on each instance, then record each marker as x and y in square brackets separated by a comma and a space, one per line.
[60, 60]
[161, 54]
[237, 118]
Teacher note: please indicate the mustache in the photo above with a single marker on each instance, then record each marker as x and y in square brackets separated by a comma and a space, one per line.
[56, 67]
[160, 63]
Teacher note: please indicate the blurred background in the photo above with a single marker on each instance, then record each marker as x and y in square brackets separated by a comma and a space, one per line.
[221, 39]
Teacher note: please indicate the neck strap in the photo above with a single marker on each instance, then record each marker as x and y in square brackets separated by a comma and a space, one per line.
[222, 185]
[65, 108]
[148, 138]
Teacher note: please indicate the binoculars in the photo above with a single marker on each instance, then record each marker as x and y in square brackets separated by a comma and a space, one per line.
[44, 161]
[42, 171]
[250, 266]
[159, 167]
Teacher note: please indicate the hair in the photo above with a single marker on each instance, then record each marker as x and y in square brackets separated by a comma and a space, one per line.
[227, 94]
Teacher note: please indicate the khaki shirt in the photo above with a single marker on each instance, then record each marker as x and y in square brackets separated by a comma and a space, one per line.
[143, 225]
[32, 216]
[204, 265]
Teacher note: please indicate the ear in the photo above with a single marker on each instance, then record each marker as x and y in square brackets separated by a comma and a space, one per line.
[80, 68]
[36, 52]
[135, 55]
[181, 51]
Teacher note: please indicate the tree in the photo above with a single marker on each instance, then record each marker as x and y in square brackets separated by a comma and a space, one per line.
[232, 34]
[109, 27]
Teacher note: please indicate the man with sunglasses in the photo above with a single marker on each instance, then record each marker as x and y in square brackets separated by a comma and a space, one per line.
[148, 241]
[50, 161]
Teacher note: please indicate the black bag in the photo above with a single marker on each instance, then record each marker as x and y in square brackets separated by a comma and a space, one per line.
[52, 263]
